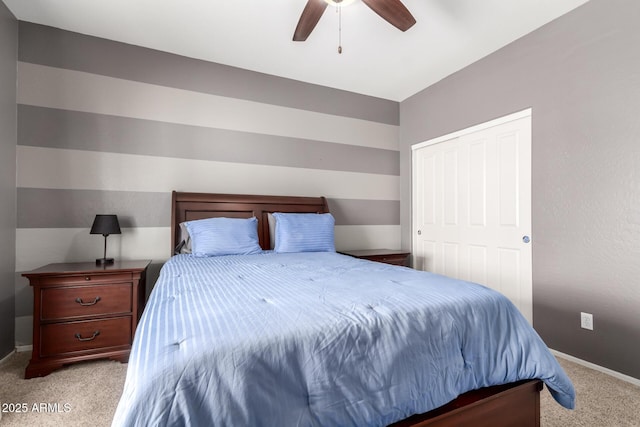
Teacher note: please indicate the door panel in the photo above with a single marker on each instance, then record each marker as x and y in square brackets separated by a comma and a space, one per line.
[478, 184]
[477, 264]
[508, 178]
[450, 190]
[450, 259]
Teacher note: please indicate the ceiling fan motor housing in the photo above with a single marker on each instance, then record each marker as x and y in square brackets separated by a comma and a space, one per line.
[392, 11]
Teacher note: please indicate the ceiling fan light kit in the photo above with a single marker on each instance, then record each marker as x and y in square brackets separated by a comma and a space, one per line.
[392, 11]
[340, 3]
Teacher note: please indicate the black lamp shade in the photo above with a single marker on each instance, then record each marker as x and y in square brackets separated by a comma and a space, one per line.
[105, 225]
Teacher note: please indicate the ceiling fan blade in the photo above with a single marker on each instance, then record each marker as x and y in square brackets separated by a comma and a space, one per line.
[308, 20]
[392, 11]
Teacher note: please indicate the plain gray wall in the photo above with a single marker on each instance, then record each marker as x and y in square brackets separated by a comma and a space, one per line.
[581, 76]
[8, 138]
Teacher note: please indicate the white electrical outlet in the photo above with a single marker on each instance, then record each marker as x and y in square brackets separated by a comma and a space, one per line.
[586, 321]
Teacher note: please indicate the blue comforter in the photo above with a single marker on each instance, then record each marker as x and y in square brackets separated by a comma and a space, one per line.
[320, 339]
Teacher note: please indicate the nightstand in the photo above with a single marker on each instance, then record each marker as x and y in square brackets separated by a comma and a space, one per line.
[386, 256]
[83, 312]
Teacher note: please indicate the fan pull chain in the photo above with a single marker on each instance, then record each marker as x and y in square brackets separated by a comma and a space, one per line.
[339, 29]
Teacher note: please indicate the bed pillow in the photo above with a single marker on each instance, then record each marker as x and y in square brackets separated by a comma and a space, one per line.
[271, 221]
[304, 232]
[184, 247]
[223, 236]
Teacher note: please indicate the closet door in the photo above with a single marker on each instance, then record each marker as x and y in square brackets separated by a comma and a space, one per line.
[472, 207]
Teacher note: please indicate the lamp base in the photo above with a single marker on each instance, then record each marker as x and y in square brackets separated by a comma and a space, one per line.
[104, 261]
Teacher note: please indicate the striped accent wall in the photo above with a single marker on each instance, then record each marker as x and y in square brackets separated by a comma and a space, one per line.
[105, 127]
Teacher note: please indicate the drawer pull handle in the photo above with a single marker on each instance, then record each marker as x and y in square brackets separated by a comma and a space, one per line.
[94, 302]
[91, 338]
[87, 278]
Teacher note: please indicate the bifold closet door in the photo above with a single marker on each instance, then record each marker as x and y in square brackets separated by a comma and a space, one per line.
[472, 208]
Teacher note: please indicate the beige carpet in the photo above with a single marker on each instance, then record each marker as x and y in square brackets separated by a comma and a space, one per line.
[91, 391]
[601, 401]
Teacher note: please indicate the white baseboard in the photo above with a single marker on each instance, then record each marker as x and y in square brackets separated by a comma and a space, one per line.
[618, 375]
[23, 348]
[18, 349]
[7, 357]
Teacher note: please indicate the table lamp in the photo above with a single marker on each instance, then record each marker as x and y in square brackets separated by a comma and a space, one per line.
[105, 225]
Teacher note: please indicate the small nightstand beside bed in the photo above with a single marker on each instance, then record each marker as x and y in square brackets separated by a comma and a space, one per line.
[84, 312]
[292, 336]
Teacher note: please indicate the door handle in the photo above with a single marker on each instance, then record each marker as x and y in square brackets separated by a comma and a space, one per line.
[526, 239]
[419, 232]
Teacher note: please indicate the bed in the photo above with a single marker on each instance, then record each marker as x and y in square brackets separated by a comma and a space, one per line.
[323, 339]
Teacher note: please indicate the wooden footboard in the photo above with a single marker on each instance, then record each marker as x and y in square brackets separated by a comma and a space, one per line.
[514, 404]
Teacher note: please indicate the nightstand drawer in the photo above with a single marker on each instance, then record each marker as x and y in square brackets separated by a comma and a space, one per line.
[390, 259]
[85, 278]
[81, 301]
[387, 256]
[60, 338]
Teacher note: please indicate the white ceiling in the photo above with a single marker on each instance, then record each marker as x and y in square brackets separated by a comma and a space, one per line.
[377, 59]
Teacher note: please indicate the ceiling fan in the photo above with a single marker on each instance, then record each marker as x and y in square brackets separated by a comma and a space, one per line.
[392, 11]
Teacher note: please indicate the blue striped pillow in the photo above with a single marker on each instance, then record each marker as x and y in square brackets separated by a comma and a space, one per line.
[223, 236]
[303, 232]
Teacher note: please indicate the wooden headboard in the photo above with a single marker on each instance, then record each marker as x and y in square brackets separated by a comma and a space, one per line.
[191, 206]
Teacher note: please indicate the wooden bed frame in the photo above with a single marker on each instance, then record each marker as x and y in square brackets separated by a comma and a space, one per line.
[513, 404]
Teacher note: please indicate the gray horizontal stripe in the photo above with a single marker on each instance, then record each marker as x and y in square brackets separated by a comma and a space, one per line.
[54, 47]
[54, 128]
[365, 212]
[49, 208]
